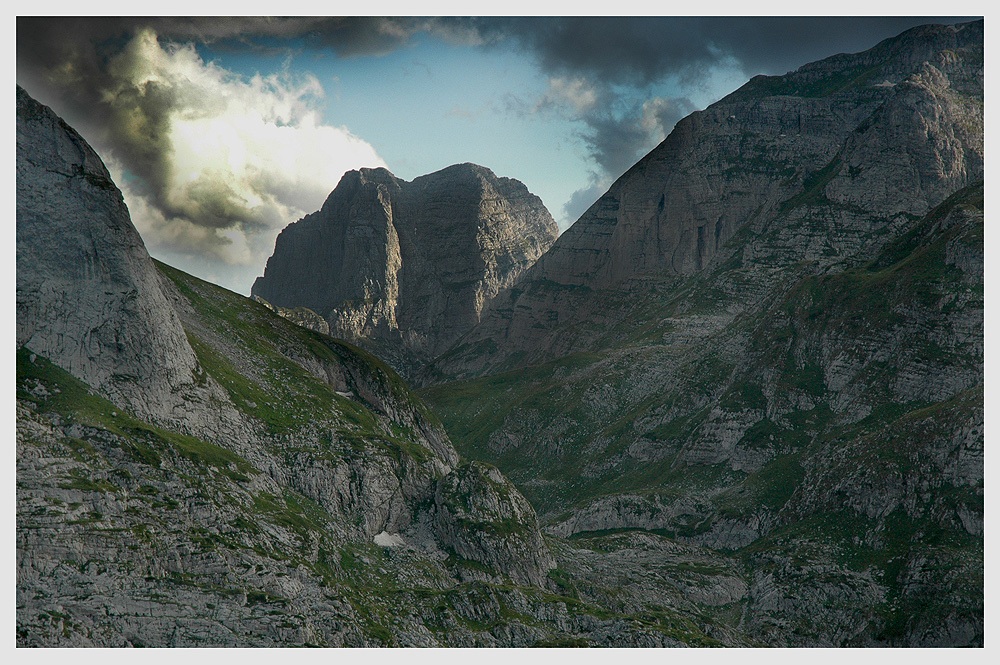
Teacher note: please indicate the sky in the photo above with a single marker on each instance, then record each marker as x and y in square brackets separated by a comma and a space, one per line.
[222, 131]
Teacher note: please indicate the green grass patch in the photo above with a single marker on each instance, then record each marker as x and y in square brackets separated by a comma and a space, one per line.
[71, 398]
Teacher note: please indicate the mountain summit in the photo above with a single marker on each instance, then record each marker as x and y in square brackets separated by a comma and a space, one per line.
[826, 163]
[408, 267]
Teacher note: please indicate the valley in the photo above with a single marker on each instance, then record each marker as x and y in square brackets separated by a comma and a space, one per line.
[739, 402]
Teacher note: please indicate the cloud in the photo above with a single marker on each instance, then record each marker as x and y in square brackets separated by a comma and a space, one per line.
[616, 142]
[583, 198]
[214, 165]
[598, 67]
[641, 50]
[357, 36]
[615, 133]
[576, 92]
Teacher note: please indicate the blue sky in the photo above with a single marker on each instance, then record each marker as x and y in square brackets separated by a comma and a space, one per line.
[432, 104]
[220, 132]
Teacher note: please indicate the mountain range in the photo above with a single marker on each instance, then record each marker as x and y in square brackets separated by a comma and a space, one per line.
[738, 403]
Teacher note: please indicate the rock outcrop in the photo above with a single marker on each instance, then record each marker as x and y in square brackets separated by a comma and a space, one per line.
[505, 534]
[302, 316]
[407, 267]
[88, 296]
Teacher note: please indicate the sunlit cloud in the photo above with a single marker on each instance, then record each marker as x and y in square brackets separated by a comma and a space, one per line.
[216, 164]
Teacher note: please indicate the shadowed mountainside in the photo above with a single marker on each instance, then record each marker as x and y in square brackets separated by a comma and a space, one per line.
[767, 339]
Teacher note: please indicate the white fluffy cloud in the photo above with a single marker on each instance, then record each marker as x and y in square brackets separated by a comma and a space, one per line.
[214, 165]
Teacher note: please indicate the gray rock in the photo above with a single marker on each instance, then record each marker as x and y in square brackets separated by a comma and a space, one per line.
[825, 163]
[482, 517]
[768, 337]
[408, 267]
[88, 296]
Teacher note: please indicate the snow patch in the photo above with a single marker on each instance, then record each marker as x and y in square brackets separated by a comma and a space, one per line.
[386, 539]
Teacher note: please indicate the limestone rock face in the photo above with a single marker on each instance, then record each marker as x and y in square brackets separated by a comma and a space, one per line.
[825, 163]
[767, 338]
[408, 266]
[506, 535]
[88, 296]
[188, 437]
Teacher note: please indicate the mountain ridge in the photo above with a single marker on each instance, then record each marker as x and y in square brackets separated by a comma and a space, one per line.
[407, 267]
[679, 205]
[775, 385]
[294, 493]
[768, 432]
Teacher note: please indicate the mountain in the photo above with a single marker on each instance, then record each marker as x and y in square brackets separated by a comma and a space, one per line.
[739, 403]
[405, 268]
[832, 160]
[767, 339]
[195, 470]
[88, 295]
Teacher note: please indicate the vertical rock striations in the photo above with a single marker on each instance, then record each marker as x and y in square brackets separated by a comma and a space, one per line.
[88, 296]
[408, 267]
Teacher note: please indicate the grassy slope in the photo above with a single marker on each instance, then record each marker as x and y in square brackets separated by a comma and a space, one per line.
[535, 424]
[148, 493]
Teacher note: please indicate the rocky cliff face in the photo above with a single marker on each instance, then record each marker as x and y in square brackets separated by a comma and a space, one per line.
[763, 340]
[88, 296]
[408, 267]
[834, 159]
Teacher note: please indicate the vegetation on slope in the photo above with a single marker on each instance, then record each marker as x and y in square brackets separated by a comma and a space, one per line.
[221, 543]
[804, 424]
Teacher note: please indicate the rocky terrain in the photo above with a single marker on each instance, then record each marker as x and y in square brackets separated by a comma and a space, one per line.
[405, 268]
[825, 164]
[739, 402]
[290, 490]
[767, 339]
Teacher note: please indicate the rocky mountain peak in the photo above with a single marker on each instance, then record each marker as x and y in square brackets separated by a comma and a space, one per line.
[408, 267]
[831, 159]
[376, 176]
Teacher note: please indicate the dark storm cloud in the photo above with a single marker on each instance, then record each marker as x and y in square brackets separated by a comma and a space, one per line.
[64, 60]
[67, 60]
[637, 50]
[374, 36]
[643, 50]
